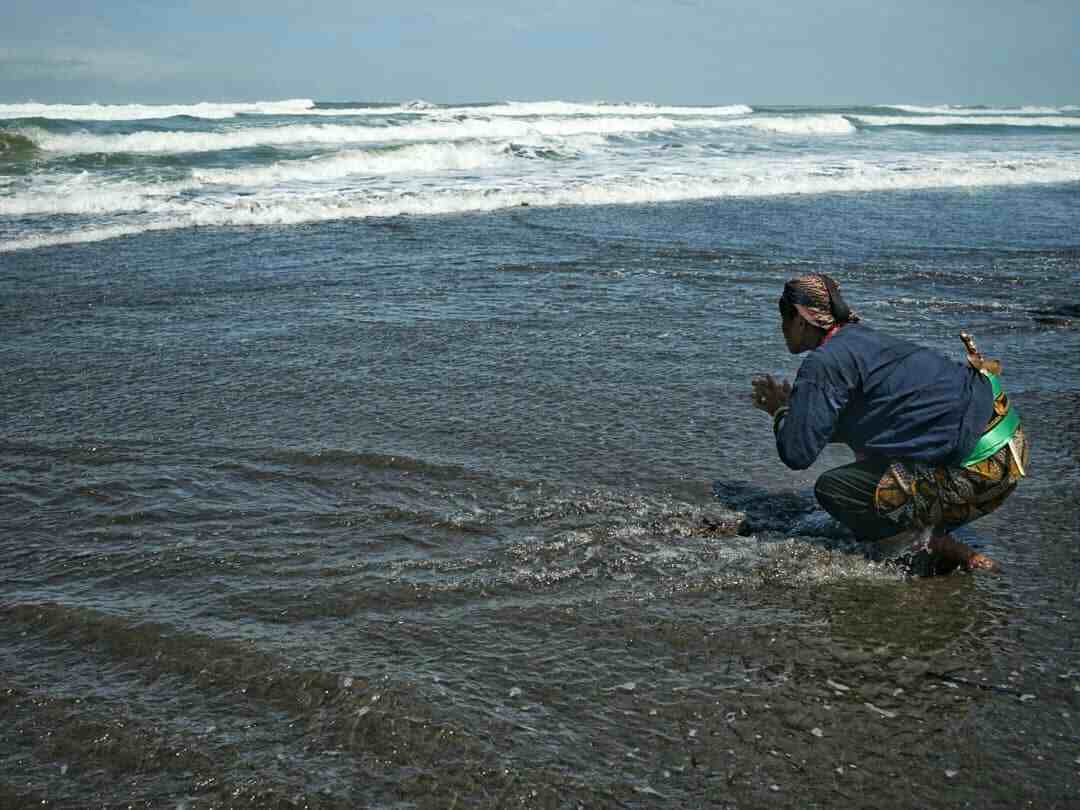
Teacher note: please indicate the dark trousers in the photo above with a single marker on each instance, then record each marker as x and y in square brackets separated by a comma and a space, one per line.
[847, 493]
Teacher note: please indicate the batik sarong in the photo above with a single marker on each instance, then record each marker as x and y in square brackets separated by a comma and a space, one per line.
[914, 495]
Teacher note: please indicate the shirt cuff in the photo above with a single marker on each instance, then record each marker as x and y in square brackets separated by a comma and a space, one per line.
[781, 412]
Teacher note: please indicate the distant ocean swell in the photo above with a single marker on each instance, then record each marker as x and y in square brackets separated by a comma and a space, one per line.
[296, 107]
[74, 174]
[151, 142]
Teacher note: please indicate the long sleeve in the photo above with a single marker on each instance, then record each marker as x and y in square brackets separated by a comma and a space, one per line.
[884, 397]
[813, 413]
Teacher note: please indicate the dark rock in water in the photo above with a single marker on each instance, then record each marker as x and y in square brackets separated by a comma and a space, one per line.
[1070, 310]
[1065, 315]
[764, 510]
[821, 524]
[13, 145]
[722, 521]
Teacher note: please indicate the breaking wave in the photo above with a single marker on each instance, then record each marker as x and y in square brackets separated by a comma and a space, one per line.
[800, 125]
[762, 181]
[333, 134]
[952, 109]
[308, 107]
[139, 112]
[15, 145]
[568, 108]
[74, 196]
[422, 158]
[958, 120]
[433, 130]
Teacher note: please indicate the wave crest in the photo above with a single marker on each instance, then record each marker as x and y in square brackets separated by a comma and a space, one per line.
[958, 109]
[957, 120]
[415, 159]
[802, 125]
[139, 112]
[569, 108]
[14, 145]
[752, 180]
[152, 142]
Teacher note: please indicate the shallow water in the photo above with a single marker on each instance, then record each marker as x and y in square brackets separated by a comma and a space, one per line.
[471, 512]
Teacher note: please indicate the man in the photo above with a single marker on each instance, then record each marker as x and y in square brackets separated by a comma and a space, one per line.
[936, 443]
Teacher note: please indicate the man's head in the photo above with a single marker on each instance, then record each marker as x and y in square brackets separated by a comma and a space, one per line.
[810, 306]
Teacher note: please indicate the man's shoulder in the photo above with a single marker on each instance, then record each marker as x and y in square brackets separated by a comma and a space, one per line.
[860, 332]
[848, 352]
[859, 338]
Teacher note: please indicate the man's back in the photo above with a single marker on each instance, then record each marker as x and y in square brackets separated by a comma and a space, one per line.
[885, 397]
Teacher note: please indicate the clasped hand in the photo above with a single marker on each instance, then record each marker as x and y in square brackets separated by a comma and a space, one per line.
[769, 394]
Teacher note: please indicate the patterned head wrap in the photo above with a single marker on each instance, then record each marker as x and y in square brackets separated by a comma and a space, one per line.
[817, 298]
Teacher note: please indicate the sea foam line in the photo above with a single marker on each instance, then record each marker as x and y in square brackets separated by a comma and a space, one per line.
[139, 112]
[87, 203]
[1061, 121]
[283, 210]
[957, 109]
[569, 108]
[421, 158]
[87, 194]
[308, 107]
[333, 134]
[830, 124]
[153, 142]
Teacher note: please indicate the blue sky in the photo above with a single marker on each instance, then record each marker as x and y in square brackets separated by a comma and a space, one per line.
[679, 51]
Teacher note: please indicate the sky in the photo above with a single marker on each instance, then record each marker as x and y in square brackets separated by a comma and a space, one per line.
[798, 52]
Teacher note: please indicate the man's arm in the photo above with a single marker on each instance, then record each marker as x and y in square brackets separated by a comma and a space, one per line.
[808, 424]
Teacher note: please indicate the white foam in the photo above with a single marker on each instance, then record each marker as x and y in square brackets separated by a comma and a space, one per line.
[427, 159]
[829, 124]
[138, 112]
[746, 179]
[332, 134]
[415, 159]
[956, 109]
[532, 109]
[1061, 121]
[414, 108]
[569, 108]
[84, 203]
[87, 195]
[801, 125]
[294, 107]
[84, 236]
[295, 135]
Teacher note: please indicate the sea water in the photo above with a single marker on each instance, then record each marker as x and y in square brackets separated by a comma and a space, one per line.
[400, 455]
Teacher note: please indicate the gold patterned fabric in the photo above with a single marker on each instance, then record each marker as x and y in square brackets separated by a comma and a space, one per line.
[914, 495]
[817, 298]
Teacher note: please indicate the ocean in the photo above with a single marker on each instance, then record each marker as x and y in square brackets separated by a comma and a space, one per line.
[400, 455]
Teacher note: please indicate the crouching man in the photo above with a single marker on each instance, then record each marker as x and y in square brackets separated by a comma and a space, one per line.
[936, 442]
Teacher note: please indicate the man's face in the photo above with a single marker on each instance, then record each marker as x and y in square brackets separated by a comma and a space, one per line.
[795, 333]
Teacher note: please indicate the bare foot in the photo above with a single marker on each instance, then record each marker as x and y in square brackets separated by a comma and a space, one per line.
[950, 554]
[936, 552]
[980, 562]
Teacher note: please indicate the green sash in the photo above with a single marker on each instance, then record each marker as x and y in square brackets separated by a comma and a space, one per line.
[993, 440]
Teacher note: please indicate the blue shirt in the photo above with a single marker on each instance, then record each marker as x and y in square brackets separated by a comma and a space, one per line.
[884, 397]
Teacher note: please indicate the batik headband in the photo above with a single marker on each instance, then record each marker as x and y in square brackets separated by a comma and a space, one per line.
[817, 298]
